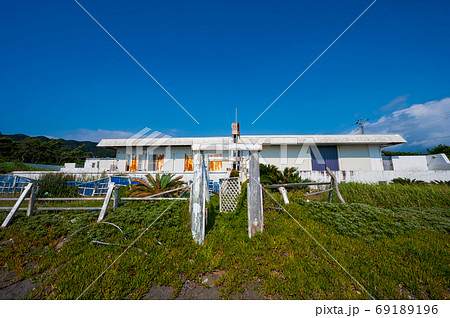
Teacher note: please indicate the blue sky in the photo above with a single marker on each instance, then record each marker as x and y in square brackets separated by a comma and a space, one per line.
[63, 76]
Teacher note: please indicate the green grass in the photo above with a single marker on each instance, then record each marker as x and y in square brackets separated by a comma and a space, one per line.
[394, 195]
[392, 252]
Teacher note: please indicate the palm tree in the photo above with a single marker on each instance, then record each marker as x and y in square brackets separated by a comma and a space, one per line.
[270, 174]
[159, 183]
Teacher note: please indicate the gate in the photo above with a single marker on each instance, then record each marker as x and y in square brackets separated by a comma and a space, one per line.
[229, 190]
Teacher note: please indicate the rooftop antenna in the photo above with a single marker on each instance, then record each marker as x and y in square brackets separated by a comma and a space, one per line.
[235, 131]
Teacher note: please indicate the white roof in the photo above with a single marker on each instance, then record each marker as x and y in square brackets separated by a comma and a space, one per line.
[382, 140]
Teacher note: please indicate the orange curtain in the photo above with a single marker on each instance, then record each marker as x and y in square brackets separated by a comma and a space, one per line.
[133, 165]
[215, 165]
[188, 162]
[159, 162]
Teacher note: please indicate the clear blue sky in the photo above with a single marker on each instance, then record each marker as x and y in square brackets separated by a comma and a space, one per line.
[62, 76]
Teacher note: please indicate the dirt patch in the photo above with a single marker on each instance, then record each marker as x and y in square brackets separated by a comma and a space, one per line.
[18, 290]
[6, 278]
[405, 292]
[159, 292]
[61, 243]
[193, 290]
[252, 291]
[209, 279]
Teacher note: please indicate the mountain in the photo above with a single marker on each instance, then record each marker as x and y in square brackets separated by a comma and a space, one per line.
[89, 146]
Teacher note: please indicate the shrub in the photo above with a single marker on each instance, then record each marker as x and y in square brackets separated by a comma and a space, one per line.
[270, 174]
[55, 185]
[407, 181]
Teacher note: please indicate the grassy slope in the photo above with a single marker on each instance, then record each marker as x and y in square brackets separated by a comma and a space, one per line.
[397, 195]
[395, 254]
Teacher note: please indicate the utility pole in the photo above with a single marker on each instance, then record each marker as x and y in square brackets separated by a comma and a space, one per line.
[361, 123]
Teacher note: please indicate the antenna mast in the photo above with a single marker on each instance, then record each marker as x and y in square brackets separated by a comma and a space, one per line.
[235, 131]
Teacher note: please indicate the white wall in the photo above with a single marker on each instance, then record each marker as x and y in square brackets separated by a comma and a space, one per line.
[377, 176]
[95, 165]
[270, 155]
[354, 157]
[376, 162]
[408, 163]
[438, 162]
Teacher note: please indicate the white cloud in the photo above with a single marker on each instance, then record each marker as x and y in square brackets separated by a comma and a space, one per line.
[84, 134]
[422, 125]
[396, 103]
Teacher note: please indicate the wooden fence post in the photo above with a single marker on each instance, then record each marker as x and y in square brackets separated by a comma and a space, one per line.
[254, 197]
[116, 198]
[284, 194]
[106, 202]
[198, 199]
[17, 205]
[335, 183]
[330, 195]
[34, 190]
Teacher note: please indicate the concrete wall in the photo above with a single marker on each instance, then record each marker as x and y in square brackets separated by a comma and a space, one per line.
[92, 165]
[377, 176]
[438, 162]
[376, 162]
[354, 157]
[410, 163]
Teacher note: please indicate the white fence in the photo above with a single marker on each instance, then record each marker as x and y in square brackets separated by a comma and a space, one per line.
[363, 176]
[229, 190]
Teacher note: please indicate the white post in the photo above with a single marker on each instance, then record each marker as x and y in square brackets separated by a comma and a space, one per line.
[284, 194]
[115, 198]
[106, 202]
[254, 197]
[197, 199]
[17, 205]
[33, 194]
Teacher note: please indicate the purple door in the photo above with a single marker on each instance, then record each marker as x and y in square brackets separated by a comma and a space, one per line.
[329, 156]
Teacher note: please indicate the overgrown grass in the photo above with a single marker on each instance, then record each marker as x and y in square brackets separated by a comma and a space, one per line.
[395, 195]
[394, 253]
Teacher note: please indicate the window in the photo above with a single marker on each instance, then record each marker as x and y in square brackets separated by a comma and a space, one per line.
[139, 162]
[93, 165]
[152, 162]
[131, 163]
[173, 161]
[215, 165]
[155, 162]
[188, 162]
[387, 163]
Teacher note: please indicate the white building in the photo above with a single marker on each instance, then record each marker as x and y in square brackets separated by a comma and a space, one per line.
[353, 157]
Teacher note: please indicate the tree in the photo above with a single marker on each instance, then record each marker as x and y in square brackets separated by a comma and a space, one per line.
[270, 174]
[440, 149]
[6, 148]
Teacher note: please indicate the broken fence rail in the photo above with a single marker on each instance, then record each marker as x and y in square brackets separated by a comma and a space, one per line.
[31, 188]
[334, 187]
